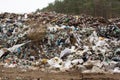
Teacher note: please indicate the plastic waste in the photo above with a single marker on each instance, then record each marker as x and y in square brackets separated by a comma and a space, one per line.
[55, 62]
[67, 51]
[116, 70]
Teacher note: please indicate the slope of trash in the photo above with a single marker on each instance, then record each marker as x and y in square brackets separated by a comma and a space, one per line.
[60, 42]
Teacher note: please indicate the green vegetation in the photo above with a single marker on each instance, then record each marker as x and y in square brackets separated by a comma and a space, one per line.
[104, 8]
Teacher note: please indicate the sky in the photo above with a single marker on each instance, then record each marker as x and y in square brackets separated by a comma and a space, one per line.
[22, 6]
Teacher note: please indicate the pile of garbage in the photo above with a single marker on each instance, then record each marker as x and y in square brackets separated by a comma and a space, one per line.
[60, 42]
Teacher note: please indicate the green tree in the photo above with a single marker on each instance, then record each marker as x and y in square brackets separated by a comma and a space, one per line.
[104, 8]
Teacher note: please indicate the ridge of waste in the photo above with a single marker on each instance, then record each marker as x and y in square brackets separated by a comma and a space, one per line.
[54, 41]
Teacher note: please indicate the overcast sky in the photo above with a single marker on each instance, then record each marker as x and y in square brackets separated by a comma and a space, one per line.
[22, 6]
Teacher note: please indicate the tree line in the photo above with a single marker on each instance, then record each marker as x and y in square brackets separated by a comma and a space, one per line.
[104, 8]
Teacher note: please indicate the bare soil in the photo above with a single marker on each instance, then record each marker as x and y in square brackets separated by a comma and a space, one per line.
[17, 74]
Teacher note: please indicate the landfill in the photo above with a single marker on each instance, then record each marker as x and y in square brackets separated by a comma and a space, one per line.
[60, 42]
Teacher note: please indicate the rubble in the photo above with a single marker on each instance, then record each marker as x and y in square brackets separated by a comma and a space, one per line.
[31, 41]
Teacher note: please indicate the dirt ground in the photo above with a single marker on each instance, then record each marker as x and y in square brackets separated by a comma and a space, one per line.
[17, 74]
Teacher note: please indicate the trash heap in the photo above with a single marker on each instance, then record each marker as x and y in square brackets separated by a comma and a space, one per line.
[54, 41]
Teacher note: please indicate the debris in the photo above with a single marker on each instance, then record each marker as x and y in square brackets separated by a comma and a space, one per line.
[59, 42]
